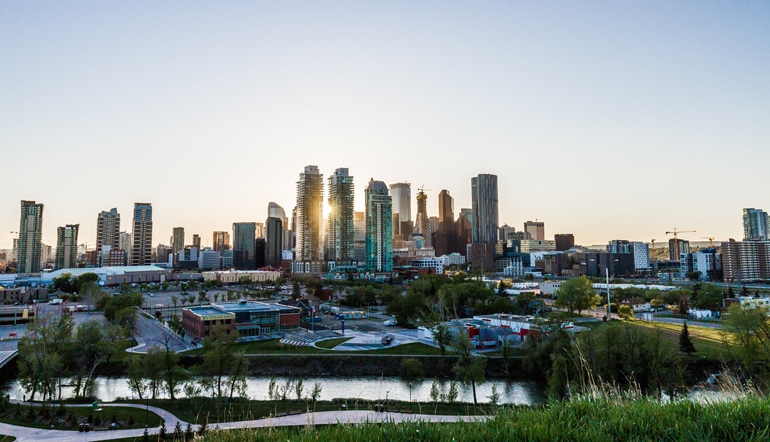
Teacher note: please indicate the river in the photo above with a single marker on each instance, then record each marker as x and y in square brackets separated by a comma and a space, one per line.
[109, 389]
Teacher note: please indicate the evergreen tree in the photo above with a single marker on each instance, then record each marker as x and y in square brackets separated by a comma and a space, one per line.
[685, 343]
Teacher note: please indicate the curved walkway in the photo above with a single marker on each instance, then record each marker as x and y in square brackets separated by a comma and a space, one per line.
[320, 418]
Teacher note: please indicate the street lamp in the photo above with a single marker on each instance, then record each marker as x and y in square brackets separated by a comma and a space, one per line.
[410, 392]
[609, 311]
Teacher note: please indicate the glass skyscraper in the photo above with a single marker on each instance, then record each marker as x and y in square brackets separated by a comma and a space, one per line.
[379, 228]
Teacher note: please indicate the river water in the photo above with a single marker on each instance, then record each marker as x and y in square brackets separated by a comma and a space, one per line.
[371, 388]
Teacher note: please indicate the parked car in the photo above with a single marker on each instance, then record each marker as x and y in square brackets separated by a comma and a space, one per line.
[390, 322]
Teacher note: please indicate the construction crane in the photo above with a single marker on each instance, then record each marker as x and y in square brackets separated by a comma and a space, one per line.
[653, 243]
[676, 240]
[711, 240]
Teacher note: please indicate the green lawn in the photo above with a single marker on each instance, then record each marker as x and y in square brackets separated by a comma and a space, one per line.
[67, 418]
[4, 438]
[708, 342]
[331, 343]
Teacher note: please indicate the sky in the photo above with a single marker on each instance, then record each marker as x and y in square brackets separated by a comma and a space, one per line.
[608, 120]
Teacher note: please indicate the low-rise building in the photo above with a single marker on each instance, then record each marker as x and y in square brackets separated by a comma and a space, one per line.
[253, 320]
[234, 276]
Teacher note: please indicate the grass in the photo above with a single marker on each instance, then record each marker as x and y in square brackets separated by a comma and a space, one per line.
[641, 420]
[331, 343]
[708, 342]
[67, 418]
[4, 438]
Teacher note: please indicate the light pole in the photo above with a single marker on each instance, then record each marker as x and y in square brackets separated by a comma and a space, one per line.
[609, 311]
[410, 393]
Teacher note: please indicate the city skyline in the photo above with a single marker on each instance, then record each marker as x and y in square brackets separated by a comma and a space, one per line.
[591, 115]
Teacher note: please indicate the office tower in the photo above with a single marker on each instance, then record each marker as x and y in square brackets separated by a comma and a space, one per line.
[276, 211]
[67, 246]
[260, 251]
[401, 193]
[359, 237]
[504, 231]
[30, 237]
[340, 230]
[755, 225]
[445, 239]
[421, 222]
[108, 230]
[142, 235]
[274, 245]
[379, 231]
[464, 228]
[485, 217]
[536, 229]
[177, 242]
[564, 241]
[221, 241]
[196, 241]
[244, 236]
[309, 219]
[641, 253]
[259, 230]
[125, 242]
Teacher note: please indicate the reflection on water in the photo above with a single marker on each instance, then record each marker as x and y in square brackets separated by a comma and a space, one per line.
[372, 388]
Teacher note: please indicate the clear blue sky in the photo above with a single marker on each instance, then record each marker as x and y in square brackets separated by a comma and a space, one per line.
[610, 120]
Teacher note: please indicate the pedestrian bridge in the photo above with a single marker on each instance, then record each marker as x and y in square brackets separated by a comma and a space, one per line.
[7, 356]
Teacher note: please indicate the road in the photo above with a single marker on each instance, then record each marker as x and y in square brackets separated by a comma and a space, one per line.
[23, 434]
[150, 333]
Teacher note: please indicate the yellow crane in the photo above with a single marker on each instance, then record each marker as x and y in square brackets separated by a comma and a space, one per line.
[711, 240]
[676, 232]
[653, 243]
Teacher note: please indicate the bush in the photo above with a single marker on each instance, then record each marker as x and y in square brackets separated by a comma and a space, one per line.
[412, 368]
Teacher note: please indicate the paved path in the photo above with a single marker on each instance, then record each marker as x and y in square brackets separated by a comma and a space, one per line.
[23, 434]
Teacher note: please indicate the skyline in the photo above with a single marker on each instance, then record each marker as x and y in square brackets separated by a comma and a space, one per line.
[603, 120]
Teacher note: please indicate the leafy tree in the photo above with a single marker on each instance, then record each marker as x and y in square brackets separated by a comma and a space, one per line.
[46, 344]
[222, 364]
[453, 392]
[626, 312]
[707, 297]
[577, 294]
[748, 335]
[412, 368]
[137, 380]
[525, 302]
[90, 350]
[685, 343]
[469, 367]
[442, 336]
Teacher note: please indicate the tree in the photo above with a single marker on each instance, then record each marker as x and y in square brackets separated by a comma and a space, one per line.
[747, 332]
[220, 361]
[708, 297]
[525, 301]
[685, 343]
[469, 367]
[577, 294]
[137, 381]
[90, 350]
[442, 336]
[626, 312]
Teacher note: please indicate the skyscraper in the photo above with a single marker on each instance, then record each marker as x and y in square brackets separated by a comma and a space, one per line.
[564, 241]
[464, 229]
[421, 222]
[244, 236]
[142, 235]
[67, 246]
[126, 243]
[108, 230]
[177, 242]
[30, 237]
[536, 229]
[445, 237]
[379, 229]
[485, 216]
[340, 231]
[402, 209]
[359, 225]
[309, 219]
[274, 238]
[755, 225]
[276, 211]
[221, 241]
[196, 241]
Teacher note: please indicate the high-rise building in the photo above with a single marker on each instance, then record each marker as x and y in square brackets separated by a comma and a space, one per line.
[108, 230]
[125, 242]
[244, 236]
[504, 231]
[464, 229]
[379, 231]
[746, 261]
[309, 219]
[221, 241]
[401, 193]
[340, 230]
[30, 237]
[485, 215]
[421, 222]
[177, 242]
[276, 211]
[536, 229]
[564, 241]
[141, 253]
[755, 225]
[359, 241]
[67, 246]
[196, 241]
[274, 246]
[445, 239]
[677, 247]
[260, 252]
[259, 231]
